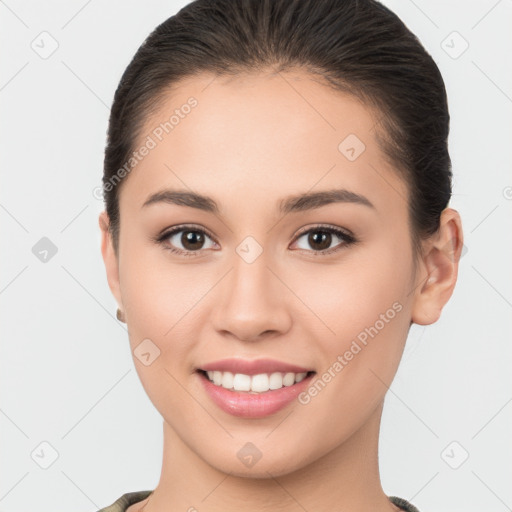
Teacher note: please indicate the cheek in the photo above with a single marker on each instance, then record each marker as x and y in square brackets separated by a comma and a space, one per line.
[345, 300]
[161, 310]
[366, 307]
[165, 304]
[359, 361]
[156, 292]
[364, 312]
[158, 303]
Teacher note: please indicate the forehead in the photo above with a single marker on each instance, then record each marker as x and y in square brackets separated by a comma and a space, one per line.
[268, 133]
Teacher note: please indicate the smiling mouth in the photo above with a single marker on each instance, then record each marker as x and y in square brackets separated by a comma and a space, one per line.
[254, 384]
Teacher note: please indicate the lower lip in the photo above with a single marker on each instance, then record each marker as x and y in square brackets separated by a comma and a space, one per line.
[257, 405]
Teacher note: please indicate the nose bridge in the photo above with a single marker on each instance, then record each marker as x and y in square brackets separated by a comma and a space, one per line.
[251, 276]
[251, 279]
[251, 303]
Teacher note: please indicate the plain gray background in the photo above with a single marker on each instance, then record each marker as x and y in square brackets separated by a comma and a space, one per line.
[67, 375]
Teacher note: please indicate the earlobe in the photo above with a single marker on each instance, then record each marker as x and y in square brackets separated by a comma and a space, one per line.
[110, 258]
[438, 270]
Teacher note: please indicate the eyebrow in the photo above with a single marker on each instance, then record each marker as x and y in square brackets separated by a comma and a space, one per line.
[296, 203]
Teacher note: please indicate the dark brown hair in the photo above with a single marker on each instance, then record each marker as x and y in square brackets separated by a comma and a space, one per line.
[355, 46]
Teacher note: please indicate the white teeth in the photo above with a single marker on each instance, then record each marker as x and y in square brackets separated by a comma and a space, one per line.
[289, 379]
[276, 381]
[217, 378]
[260, 383]
[300, 376]
[242, 382]
[227, 380]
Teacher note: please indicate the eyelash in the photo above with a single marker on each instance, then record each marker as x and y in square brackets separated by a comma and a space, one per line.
[346, 237]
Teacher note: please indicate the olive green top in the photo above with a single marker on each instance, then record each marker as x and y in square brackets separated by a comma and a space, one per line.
[130, 498]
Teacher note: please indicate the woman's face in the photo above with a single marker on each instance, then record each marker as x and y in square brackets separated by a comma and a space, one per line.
[261, 276]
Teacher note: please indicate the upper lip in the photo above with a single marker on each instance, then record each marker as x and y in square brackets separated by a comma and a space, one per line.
[253, 366]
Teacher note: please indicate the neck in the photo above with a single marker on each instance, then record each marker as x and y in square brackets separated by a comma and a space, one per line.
[346, 478]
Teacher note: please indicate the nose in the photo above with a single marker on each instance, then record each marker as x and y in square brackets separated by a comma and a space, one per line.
[252, 303]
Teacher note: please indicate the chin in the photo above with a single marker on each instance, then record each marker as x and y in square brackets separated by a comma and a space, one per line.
[267, 466]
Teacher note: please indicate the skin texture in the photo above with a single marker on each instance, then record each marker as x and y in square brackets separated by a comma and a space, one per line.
[251, 141]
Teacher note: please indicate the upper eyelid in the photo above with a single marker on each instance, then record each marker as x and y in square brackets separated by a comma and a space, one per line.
[327, 227]
[186, 227]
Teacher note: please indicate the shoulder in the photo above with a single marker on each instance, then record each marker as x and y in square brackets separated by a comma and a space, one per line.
[127, 499]
[403, 504]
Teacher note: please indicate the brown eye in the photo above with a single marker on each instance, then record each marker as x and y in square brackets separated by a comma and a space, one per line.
[192, 240]
[185, 240]
[320, 239]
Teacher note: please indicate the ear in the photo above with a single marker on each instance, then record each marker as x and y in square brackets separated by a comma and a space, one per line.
[438, 269]
[110, 258]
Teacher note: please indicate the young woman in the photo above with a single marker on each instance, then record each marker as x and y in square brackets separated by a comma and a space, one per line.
[277, 181]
